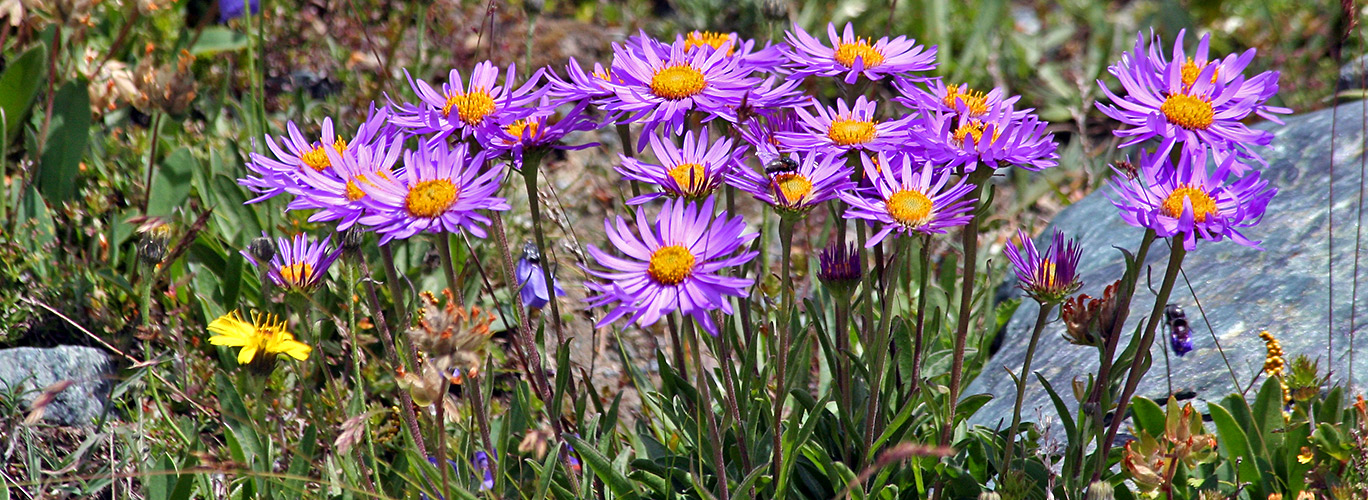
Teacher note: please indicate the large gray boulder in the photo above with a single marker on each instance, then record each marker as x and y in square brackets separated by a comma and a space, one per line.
[27, 371]
[1284, 289]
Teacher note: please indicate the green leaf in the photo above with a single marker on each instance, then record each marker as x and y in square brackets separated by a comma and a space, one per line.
[1148, 415]
[218, 39]
[1268, 415]
[67, 139]
[1233, 441]
[171, 184]
[302, 460]
[603, 468]
[19, 86]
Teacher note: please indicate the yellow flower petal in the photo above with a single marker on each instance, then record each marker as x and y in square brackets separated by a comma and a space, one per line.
[246, 354]
[295, 349]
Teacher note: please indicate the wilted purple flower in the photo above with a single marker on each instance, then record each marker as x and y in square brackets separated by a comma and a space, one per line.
[532, 279]
[481, 463]
[995, 139]
[1188, 200]
[456, 108]
[907, 198]
[661, 90]
[1193, 101]
[299, 264]
[1047, 277]
[796, 186]
[855, 57]
[438, 190]
[693, 172]
[677, 263]
[846, 128]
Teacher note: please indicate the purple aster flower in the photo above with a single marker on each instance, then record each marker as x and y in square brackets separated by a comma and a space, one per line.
[995, 139]
[1188, 200]
[846, 128]
[233, 9]
[1047, 277]
[662, 90]
[793, 187]
[959, 99]
[269, 176]
[1193, 101]
[676, 264]
[336, 193]
[536, 130]
[579, 86]
[853, 57]
[762, 132]
[768, 58]
[299, 264]
[456, 108]
[438, 190]
[532, 280]
[908, 199]
[840, 267]
[692, 172]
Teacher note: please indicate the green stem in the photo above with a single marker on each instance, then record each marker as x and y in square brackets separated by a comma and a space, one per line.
[387, 338]
[879, 350]
[1137, 368]
[705, 407]
[444, 248]
[624, 131]
[786, 224]
[1041, 319]
[969, 241]
[531, 163]
[919, 332]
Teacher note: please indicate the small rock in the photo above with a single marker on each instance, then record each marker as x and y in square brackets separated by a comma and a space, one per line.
[1353, 74]
[27, 371]
[1284, 289]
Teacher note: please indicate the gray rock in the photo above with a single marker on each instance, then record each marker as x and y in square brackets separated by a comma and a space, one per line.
[1352, 75]
[27, 371]
[1284, 289]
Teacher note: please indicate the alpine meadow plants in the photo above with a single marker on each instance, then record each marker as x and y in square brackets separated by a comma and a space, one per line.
[739, 157]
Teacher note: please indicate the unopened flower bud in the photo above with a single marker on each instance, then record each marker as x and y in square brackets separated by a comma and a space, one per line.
[839, 268]
[262, 249]
[152, 246]
[775, 10]
[1100, 490]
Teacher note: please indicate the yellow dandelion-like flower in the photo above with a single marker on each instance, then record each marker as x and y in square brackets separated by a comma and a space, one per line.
[1306, 455]
[260, 339]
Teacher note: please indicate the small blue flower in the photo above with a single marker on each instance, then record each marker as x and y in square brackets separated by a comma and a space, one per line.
[532, 280]
[481, 463]
[232, 9]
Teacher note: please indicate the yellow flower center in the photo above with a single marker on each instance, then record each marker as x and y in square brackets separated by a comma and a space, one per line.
[471, 107]
[846, 53]
[974, 130]
[317, 158]
[1202, 203]
[689, 176]
[975, 102]
[1191, 71]
[709, 38]
[297, 274]
[519, 127]
[677, 82]
[1192, 113]
[671, 265]
[429, 199]
[354, 192]
[1046, 273]
[849, 131]
[909, 208]
[794, 186]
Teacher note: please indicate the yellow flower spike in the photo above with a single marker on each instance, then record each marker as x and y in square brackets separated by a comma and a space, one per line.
[260, 339]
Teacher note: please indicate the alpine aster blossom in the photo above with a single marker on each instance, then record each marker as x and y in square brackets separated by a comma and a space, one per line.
[661, 90]
[995, 139]
[260, 340]
[461, 109]
[676, 264]
[579, 85]
[846, 128]
[536, 130]
[532, 287]
[855, 57]
[1190, 201]
[767, 59]
[908, 196]
[795, 186]
[762, 132]
[280, 172]
[336, 192]
[691, 172]
[438, 190]
[1197, 102]
[959, 99]
[1047, 277]
[298, 264]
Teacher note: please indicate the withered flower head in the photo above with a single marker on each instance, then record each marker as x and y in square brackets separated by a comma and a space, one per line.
[1088, 320]
[1304, 379]
[452, 337]
[169, 88]
[1149, 458]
